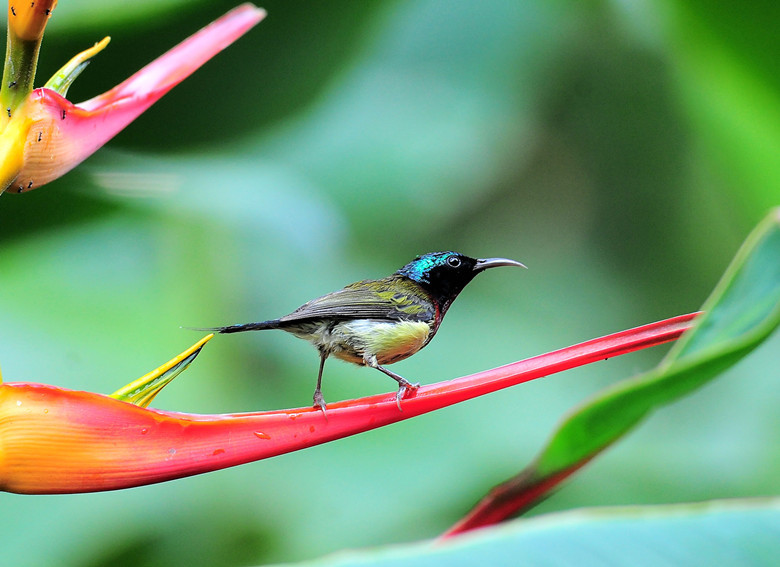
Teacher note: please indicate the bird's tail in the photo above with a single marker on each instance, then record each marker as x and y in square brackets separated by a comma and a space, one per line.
[273, 324]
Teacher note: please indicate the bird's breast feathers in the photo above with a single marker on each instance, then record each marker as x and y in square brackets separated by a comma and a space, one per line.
[388, 341]
[357, 340]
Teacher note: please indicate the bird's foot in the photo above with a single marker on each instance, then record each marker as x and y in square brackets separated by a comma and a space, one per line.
[319, 402]
[402, 390]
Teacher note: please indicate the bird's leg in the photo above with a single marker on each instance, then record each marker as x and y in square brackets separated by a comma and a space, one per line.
[319, 401]
[403, 383]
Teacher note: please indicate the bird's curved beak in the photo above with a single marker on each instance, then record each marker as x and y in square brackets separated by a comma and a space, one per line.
[495, 263]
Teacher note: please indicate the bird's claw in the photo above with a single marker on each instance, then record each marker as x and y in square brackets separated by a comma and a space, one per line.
[401, 393]
[319, 402]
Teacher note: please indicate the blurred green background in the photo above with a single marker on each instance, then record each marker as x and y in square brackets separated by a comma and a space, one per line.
[621, 149]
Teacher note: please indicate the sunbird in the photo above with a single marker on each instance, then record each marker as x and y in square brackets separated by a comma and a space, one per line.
[378, 322]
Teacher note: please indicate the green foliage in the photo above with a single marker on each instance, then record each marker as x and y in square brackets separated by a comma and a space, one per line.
[741, 313]
[91, 14]
[664, 535]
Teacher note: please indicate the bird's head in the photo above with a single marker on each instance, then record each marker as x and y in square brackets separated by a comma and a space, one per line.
[445, 274]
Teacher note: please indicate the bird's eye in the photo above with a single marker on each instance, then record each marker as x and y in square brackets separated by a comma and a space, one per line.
[453, 261]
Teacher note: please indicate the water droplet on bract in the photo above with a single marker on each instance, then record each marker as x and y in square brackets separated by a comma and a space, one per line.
[261, 435]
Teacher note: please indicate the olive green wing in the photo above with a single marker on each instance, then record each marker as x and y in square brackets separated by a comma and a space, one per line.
[370, 299]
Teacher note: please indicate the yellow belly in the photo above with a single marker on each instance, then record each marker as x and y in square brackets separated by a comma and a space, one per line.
[355, 341]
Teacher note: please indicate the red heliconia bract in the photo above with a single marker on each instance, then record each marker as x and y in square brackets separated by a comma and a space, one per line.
[54, 440]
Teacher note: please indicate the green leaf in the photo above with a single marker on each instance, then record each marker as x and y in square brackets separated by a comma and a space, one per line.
[715, 533]
[742, 311]
[744, 307]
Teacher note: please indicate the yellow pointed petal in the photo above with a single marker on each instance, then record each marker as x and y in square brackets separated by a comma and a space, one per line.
[142, 391]
[62, 79]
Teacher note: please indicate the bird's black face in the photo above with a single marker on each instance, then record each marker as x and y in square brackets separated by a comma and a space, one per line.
[441, 270]
[445, 274]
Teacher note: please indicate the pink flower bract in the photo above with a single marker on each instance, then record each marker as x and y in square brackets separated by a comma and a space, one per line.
[48, 135]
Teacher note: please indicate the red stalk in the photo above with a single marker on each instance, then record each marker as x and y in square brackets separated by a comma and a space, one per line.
[505, 500]
[54, 440]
